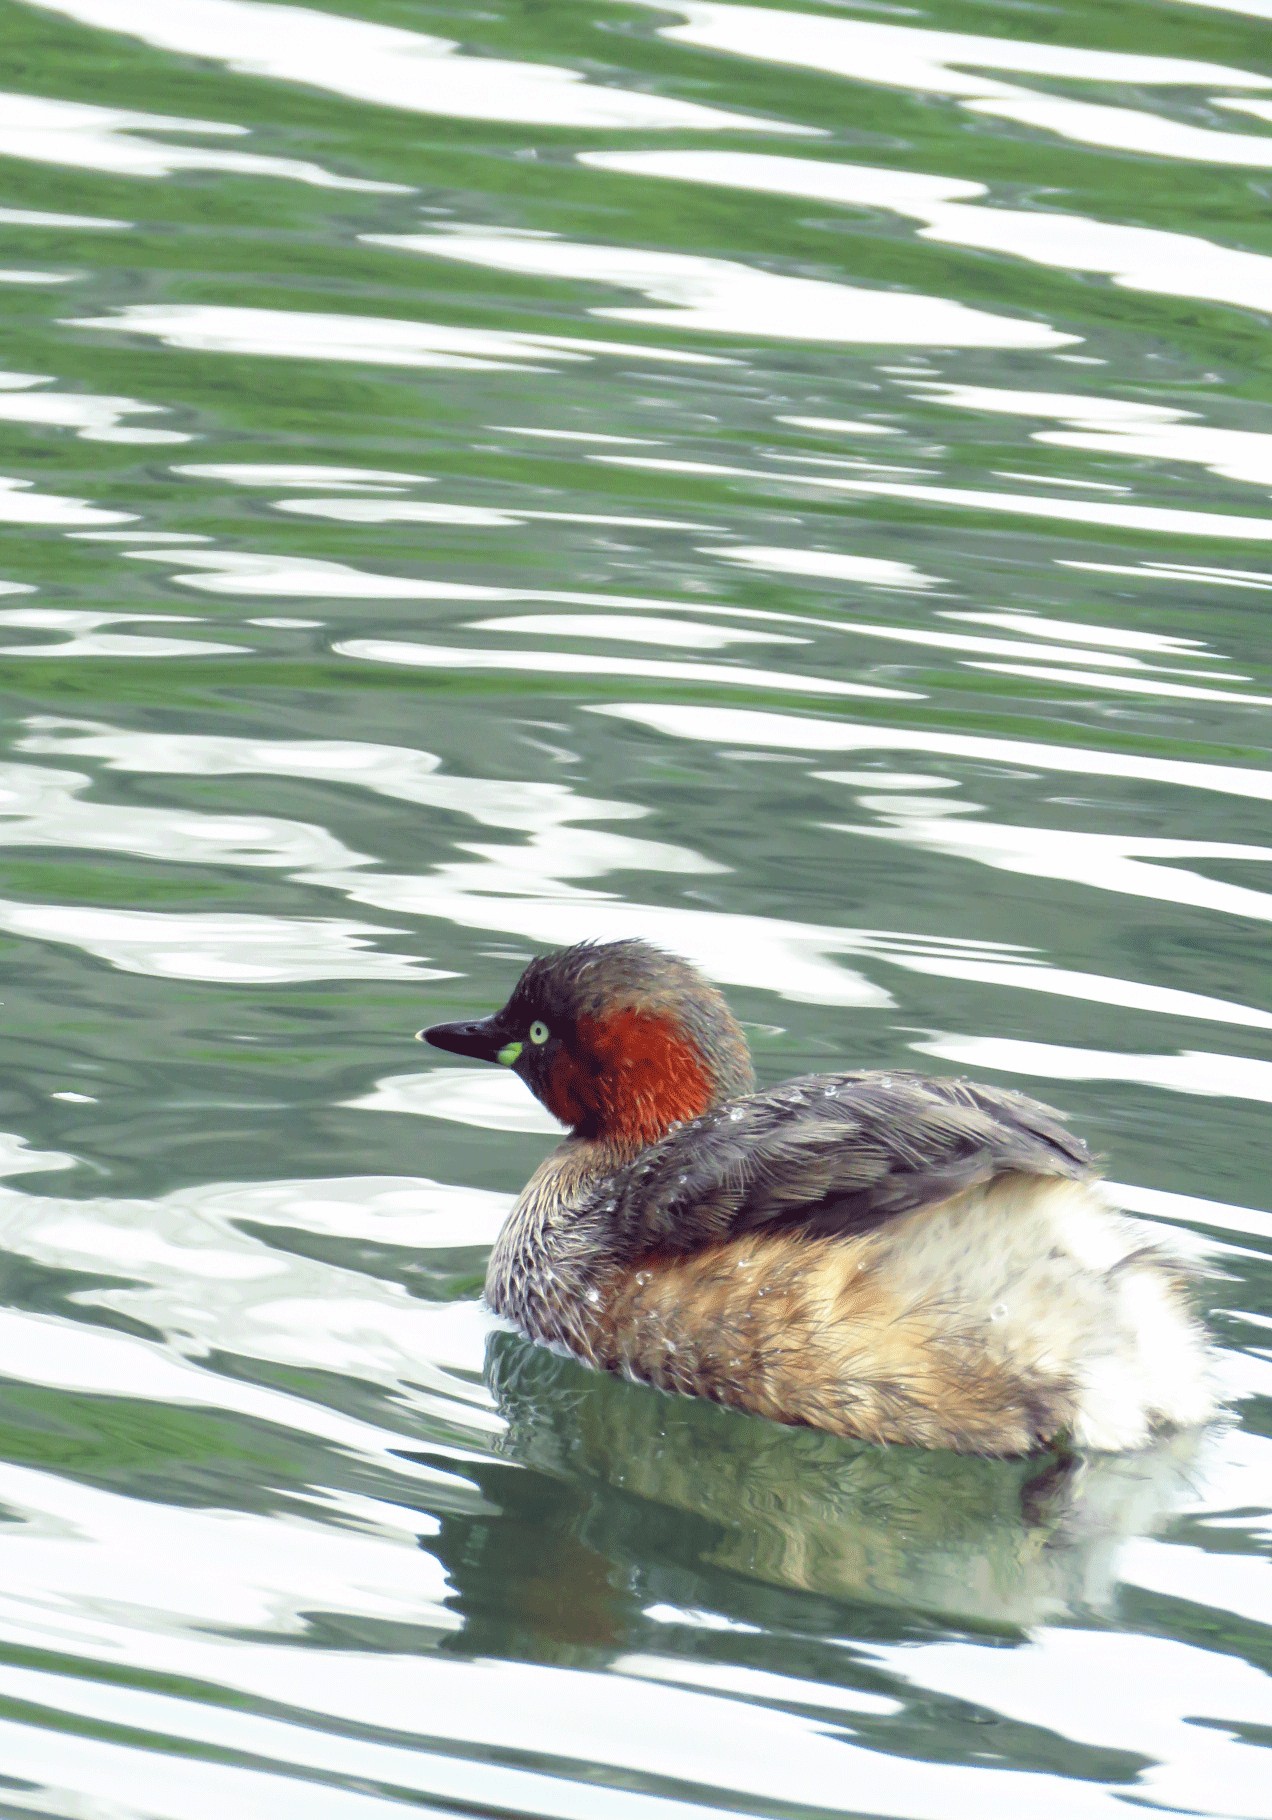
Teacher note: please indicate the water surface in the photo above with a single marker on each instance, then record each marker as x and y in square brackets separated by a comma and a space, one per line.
[790, 484]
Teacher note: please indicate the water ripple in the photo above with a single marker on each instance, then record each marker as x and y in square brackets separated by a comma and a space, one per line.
[467, 492]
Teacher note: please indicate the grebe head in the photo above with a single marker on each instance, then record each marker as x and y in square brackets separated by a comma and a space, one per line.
[618, 1040]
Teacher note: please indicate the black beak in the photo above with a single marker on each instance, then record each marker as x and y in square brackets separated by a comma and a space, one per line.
[482, 1039]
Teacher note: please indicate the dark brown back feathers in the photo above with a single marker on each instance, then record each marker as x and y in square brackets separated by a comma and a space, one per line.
[831, 1154]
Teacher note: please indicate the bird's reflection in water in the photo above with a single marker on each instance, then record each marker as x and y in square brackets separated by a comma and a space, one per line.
[1003, 1543]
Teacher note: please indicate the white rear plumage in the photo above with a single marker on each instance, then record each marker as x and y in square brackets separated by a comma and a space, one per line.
[1060, 1286]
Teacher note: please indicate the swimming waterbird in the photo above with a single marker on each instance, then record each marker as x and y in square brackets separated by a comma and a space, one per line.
[884, 1255]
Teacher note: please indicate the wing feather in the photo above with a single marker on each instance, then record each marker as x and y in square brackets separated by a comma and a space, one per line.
[833, 1154]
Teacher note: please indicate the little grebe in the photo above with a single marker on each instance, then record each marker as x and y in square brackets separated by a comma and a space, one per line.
[878, 1254]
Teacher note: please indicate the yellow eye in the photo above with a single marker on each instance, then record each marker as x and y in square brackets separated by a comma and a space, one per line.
[539, 1031]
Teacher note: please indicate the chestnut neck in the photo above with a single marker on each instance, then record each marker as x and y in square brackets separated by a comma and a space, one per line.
[630, 1076]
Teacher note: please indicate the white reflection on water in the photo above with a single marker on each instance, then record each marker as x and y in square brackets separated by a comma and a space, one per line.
[9, 275]
[1138, 258]
[1107, 862]
[644, 629]
[397, 511]
[301, 474]
[1176, 1209]
[1108, 638]
[250, 572]
[49, 131]
[1176, 571]
[869, 186]
[835, 565]
[20, 504]
[556, 1718]
[796, 733]
[200, 1257]
[750, 1683]
[1176, 1708]
[94, 418]
[1126, 685]
[832, 566]
[40, 218]
[373, 340]
[44, 218]
[949, 63]
[404, 773]
[1057, 480]
[204, 1280]
[545, 864]
[1118, 426]
[1059, 654]
[601, 436]
[840, 426]
[307, 577]
[78, 1356]
[155, 537]
[1239, 1583]
[726, 297]
[1238, 1077]
[410, 1212]
[231, 948]
[208, 1273]
[65, 1772]
[1172, 521]
[40, 807]
[522, 892]
[587, 663]
[463, 1096]
[1126, 129]
[414, 511]
[198, 1274]
[392, 67]
[528, 890]
[83, 635]
[340, 1703]
[239, 572]
[73, 1769]
[261, 1571]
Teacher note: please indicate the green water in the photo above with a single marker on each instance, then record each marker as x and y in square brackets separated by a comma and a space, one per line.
[790, 485]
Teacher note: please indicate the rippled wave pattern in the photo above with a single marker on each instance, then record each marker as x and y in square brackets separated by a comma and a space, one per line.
[789, 483]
